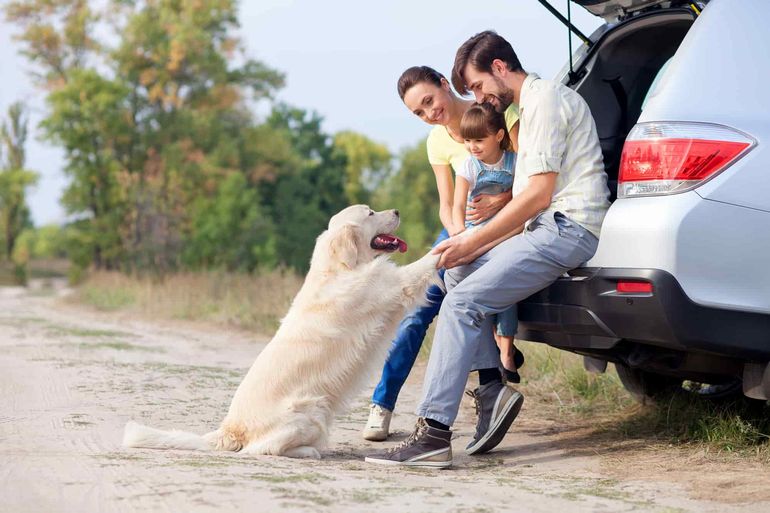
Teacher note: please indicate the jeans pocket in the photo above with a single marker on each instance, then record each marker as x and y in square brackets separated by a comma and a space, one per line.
[565, 226]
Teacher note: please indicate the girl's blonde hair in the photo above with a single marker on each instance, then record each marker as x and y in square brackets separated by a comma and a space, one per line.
[482, 120]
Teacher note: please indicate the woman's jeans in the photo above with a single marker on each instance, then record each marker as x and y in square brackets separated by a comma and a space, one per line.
[406, 346]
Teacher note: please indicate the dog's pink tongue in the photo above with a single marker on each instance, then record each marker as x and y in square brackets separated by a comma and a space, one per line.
[387, 242]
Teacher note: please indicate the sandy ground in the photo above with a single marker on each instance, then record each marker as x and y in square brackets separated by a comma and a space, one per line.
[71, 378]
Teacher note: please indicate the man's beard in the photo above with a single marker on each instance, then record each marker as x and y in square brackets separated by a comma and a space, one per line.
[504, 96]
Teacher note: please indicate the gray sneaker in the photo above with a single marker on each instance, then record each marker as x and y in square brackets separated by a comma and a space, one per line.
[426, 447]
[497, 406]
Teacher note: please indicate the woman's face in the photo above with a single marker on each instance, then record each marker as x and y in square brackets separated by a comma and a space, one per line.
[429, 102]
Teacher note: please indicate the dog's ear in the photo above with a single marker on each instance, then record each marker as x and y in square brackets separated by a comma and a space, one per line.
[343, 247]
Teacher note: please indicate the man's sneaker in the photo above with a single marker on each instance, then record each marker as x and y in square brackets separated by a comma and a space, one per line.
[378, 424]
[496, 407]
[426, 447]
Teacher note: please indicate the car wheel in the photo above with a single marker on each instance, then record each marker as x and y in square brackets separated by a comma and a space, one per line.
[645, 386]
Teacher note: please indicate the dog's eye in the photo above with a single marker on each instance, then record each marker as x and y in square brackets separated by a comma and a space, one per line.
[371, 212]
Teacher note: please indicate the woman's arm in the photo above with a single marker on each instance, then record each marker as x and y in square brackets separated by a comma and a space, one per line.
[459, 205]
[445, 188]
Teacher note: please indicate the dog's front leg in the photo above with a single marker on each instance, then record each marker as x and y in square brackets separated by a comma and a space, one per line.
[416, 277]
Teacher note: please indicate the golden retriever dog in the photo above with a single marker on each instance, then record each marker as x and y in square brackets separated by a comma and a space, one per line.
[332, 340]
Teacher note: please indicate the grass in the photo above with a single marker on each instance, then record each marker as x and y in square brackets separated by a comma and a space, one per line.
[256, 302]
[35, 269]
[736, 426]
[556, 381]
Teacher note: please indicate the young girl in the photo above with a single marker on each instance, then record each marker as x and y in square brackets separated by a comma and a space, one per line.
[488, 170]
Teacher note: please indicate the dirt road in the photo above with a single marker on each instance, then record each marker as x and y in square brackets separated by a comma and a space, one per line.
[70, 379]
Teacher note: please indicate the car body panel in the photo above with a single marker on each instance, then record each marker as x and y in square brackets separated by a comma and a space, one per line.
[715, 78]
[715, 250]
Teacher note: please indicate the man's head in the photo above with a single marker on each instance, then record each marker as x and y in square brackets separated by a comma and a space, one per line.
[484, 66]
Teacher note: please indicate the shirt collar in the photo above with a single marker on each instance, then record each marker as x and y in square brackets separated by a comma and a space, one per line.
[526, 86]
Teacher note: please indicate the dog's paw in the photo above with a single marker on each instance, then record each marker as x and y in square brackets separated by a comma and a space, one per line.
[306, 451]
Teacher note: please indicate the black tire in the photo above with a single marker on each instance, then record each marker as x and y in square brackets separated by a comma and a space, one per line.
[647, 387]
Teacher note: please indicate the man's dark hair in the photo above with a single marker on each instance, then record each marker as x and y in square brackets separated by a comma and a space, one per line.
[479, 51]
[417, 75]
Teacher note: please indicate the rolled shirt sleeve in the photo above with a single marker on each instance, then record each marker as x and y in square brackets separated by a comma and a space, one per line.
[546, 135]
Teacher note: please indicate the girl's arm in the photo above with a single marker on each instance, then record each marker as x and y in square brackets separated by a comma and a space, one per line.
[459, 206]
[445, 188]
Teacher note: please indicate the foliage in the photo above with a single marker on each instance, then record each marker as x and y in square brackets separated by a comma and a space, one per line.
[14, 179]
[169, 169]
[368, 164]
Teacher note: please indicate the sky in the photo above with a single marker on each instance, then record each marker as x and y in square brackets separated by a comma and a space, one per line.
[341, 58]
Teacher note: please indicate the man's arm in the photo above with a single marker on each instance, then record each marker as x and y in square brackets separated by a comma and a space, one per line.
[535, 198]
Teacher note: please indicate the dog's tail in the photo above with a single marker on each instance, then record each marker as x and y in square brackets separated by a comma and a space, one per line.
[137, 435]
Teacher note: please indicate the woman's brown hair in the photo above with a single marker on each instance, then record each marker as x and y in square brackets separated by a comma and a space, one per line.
[482, 120]
[417, 75]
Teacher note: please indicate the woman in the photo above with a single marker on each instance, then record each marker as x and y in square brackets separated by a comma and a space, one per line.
[427, 94]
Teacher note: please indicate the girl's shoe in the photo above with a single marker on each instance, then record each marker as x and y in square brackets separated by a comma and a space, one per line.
[512, 376]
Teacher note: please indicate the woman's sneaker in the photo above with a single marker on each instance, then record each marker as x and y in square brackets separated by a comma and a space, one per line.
[378, 424]
[426, 447]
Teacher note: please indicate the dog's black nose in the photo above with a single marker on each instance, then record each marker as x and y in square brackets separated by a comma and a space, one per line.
[396, 212]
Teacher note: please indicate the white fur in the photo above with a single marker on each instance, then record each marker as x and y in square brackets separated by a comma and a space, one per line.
[334, 337]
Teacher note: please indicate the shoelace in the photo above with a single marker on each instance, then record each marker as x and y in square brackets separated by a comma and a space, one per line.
[476, 401]
[419, 430]
[378, 409]
[477, 407]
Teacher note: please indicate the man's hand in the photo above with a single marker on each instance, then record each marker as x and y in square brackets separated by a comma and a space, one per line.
[485, 206]
[457, 251]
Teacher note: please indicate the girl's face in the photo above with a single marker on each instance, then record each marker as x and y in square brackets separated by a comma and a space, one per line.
[429, 102]
[487, 149]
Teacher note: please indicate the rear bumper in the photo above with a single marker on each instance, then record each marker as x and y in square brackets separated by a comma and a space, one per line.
[584, 313]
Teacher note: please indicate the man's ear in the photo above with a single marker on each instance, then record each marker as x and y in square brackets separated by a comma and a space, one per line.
[343, 247]
[499, 68]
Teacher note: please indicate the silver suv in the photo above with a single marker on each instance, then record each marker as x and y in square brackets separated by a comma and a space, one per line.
[679, 288]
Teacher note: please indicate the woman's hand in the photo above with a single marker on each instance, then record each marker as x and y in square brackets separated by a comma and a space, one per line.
[485, 206]
[455, 230]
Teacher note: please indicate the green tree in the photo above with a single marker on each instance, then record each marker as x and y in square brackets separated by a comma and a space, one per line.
[152, 126]
[302, 200]
[14, 179]
[367, 164]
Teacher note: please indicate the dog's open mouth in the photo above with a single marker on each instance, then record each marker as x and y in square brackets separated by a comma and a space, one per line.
[389, 243]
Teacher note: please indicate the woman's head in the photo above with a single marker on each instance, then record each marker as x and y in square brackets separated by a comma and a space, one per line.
[426, 93]
[484, 131]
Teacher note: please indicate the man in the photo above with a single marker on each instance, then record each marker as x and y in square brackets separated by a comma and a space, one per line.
[550, 226]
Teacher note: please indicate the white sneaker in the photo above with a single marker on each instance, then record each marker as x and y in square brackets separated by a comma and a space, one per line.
[378, 424]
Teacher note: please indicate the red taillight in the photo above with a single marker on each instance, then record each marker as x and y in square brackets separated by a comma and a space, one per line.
[634, 287]
[662, 158]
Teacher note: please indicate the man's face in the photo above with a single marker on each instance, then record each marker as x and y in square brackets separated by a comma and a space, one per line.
[488, 87]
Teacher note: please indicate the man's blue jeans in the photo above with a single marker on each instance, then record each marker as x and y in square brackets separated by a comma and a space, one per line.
[406, 346]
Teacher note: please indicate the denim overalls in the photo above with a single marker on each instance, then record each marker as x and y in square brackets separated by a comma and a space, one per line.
[495, 181]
